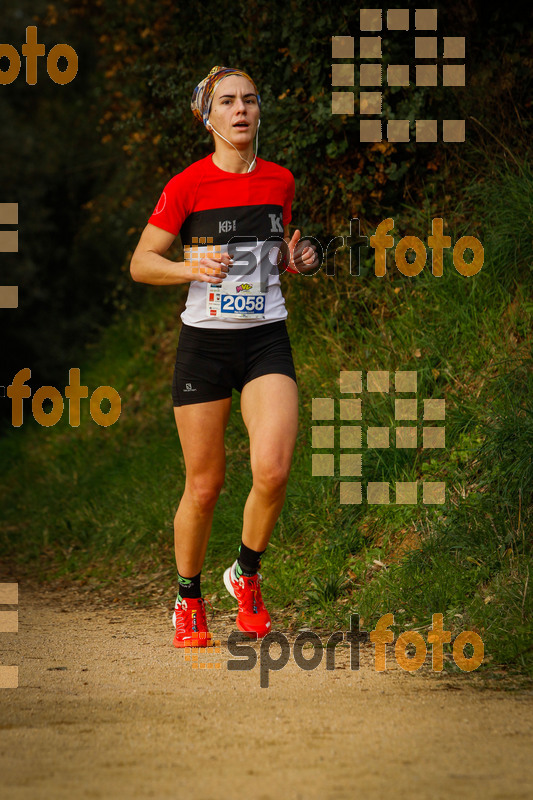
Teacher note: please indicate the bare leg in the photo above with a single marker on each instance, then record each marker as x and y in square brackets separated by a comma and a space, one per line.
[270, 412]
[201, 428]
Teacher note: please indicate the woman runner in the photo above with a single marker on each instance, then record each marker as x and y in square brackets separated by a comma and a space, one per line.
[232, 211]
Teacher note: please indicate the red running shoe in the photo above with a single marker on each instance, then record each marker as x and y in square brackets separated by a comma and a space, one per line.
[190, 623]
[253, 619]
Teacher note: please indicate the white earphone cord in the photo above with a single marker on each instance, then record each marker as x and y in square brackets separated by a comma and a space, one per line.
[250, 166]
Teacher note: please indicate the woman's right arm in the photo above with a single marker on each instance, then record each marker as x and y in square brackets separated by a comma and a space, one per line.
[149, 265]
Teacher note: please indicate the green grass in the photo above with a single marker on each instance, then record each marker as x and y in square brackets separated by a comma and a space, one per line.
[97, 503]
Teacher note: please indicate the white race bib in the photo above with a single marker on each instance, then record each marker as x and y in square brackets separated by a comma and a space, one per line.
[236, 301]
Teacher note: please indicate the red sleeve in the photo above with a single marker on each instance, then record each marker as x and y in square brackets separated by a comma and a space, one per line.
[289, 197]
[174, 205]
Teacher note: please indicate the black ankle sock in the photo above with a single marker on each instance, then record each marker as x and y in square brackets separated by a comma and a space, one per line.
[189, 587]
[249, 560]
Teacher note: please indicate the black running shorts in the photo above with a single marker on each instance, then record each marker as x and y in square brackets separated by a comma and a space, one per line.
[211, 362]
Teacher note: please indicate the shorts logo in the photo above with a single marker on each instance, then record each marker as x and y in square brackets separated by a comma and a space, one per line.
[227, 225]
[188, 388]
[275, 223]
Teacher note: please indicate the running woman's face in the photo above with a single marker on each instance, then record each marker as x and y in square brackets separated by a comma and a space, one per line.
[235, 110]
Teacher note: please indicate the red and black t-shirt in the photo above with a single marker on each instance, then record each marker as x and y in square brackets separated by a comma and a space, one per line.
[240, 212]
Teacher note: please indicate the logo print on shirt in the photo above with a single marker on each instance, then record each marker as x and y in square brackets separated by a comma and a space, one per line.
[161, 204]
[227, 225]
[275, 223]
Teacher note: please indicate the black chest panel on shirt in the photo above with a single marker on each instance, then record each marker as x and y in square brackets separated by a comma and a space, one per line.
[259, 222]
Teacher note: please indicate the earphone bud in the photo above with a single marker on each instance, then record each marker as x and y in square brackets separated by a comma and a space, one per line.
[258, 122]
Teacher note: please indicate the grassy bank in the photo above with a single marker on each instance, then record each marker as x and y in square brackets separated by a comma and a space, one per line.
[96, 504]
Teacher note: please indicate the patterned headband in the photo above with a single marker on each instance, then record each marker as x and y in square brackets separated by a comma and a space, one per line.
[202, 97]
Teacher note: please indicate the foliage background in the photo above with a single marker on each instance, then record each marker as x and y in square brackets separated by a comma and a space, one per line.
[87, 161]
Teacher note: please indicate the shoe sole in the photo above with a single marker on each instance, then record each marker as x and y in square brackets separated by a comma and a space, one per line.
[227, 583]
[204, 643]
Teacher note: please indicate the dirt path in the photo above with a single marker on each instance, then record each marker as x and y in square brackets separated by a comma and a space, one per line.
[107, 708]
